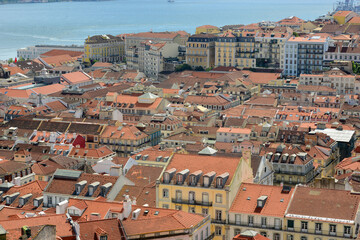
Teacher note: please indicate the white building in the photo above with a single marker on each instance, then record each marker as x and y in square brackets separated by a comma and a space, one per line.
[304, 54]
[35, 51]
[232, 134]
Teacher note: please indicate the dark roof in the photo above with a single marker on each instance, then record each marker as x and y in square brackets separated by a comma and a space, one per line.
[53, 126]
[84, 128]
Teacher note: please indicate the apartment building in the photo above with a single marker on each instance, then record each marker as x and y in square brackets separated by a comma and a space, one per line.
[315, 214]
[104, 48]
[135, 53]
[269, 48]
[235, 51]
[343, 82]
[124, 140]
[259, 208]
[304, 54]
[199, 184]
[155, 55]
[292, 164]
[67, 184]
[200, 50]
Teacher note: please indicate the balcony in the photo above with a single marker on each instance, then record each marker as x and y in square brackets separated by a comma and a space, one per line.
[259, 226]
[210, 237]
[218, 221]
[310, 231]
[191, 202]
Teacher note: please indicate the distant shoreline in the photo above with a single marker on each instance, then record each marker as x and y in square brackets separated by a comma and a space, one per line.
[3, 2]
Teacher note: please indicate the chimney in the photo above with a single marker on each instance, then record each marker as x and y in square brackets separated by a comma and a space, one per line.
[127, 206]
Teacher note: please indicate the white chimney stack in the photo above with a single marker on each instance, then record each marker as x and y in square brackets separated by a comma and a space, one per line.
[127, 206]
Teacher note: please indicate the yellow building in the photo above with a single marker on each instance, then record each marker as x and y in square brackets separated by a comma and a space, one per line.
[203, 184]
[200, 50]
[342, 17]
[234, 51]
[325, 214]
[104, 48]
[207, 29]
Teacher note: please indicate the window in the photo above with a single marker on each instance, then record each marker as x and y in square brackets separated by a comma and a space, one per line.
[205, 198]
[206, 181]
[237, 231]
[165, 193]
[166, 206]
[178, 207]
[290, 224]
[251, 220]
[218, 231]
[304, 226]
[218, 215]
[104, 237]
[277, 222]
[347, 230]
[178, 195]
[303, 238]
[276, 236]
[191, 210]
[263, 221]
[205, 211]
[237, 219]
[218, 198]
[290, 237]
[49, 201]
[332, 229]
[318, 227]
[263, 233]
[191, 197]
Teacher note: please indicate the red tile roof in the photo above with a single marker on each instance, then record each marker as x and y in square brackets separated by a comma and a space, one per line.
[76, 77]
[245, 201]
[334, 205]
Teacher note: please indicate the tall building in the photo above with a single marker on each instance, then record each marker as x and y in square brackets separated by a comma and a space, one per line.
[235, 51]
[200, 50]
[269, 48]
[134, 45]
[152, 56]
[305, 54]
[104, 48]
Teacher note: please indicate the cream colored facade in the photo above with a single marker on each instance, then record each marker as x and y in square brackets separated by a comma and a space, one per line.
[234, 51]
[269, 49]
[104, 48]
[200, 50]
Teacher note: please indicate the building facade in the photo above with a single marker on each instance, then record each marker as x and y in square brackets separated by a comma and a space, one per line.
[104, 48]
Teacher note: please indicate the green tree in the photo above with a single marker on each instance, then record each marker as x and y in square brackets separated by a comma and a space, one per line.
[21, 59]
[295, 34]
[199, 68]
[183, 67]
[10, 60]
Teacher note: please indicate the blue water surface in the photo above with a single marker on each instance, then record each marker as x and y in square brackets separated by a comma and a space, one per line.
[69, 23]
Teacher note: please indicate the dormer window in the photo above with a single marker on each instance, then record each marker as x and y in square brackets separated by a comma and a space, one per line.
[219, 182]
[206, 181]
[193, 180]
[166, 177]
[179, 179]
